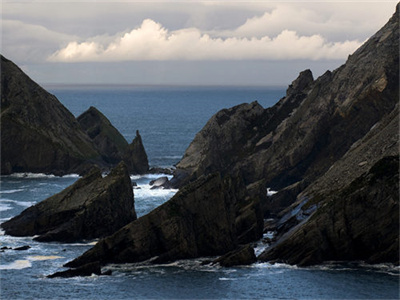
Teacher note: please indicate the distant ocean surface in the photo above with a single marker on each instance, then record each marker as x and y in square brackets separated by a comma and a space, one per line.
[168, 119]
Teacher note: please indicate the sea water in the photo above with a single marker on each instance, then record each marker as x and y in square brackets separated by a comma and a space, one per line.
[168, 119]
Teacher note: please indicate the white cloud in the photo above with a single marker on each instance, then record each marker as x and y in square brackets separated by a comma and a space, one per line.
[30, 42]
[151, 41]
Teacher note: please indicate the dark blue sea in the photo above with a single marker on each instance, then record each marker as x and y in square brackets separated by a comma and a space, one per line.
[168, 119]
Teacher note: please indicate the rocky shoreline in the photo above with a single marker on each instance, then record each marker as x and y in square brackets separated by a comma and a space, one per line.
[330, 148]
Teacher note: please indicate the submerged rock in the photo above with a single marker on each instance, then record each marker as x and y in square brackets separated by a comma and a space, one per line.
[92, 207]
[85, 270]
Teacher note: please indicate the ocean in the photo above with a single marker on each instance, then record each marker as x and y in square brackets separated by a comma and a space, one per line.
[168, 118]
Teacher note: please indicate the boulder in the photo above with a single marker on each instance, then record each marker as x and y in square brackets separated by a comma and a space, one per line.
[243, 255]
[90, 208]
[197, 221]
[160, 183]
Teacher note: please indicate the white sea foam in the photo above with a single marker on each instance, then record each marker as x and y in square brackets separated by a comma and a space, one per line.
[42, 257]
[270, 192]
[150, 176]
[42, 175]
[17, 265]
[145, 192]
[20, 203]
[11, 191]
[4, 207]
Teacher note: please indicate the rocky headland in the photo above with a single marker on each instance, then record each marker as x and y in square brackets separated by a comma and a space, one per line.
[330, 148]
[39, 135]
[92, 207]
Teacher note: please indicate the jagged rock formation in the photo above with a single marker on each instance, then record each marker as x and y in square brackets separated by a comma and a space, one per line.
[323, 135]
[38, 134]
[111, 144]
[197, 221]
[358, 222]
[318, 132]
[92, 207]
[135, 156]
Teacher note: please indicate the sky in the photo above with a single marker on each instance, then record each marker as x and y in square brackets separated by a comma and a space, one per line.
[265, 43]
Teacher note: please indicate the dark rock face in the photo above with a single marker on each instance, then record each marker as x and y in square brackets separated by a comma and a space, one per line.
[359, 222]
[307, 131]
[38, 134]
[244, 255]
[85, 270]
[109, 142]
[160, 183]
[197, 221]
[323, 135]
[135, 156]
[90, 208]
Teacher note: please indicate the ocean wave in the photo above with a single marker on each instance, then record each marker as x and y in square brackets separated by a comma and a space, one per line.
[146, 193]
[20, 203]
[150, 176]
[11, 191]
[17, 265]
[41, 175]
[4, 207]
[43, 257]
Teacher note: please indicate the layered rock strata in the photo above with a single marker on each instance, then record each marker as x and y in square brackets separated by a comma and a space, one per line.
[197, 221]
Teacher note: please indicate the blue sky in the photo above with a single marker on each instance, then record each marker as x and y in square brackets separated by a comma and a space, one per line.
[181, 42]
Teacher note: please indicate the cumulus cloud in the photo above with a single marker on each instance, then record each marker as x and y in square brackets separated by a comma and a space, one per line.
[151, 41]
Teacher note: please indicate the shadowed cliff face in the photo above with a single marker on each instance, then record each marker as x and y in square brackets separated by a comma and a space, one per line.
[38, 134]
[197, 221]
[92, 207]
[358, 222]
[111, 144]
[308, 130]
[325, 134]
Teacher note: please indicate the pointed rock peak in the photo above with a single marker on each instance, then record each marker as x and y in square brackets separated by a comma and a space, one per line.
[304, 79]
[90, 115]
[135, 156]
[120, 170]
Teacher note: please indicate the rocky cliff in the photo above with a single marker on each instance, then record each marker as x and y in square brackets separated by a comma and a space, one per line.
[323, 135]
[111, 145]
[92, 207]
[38, 134]
[357, 222]
[197, 221]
